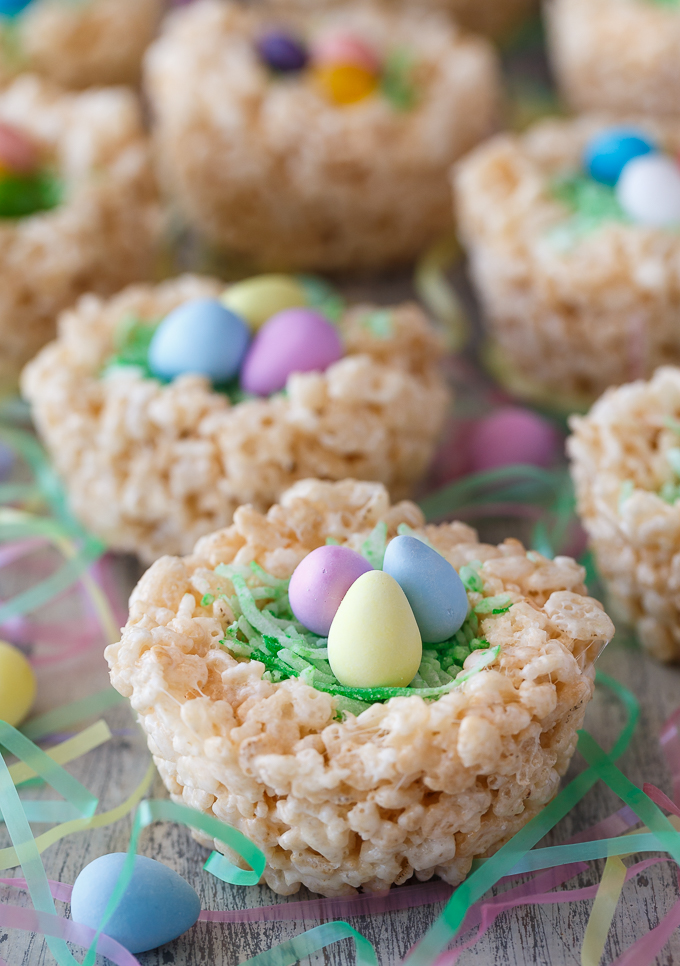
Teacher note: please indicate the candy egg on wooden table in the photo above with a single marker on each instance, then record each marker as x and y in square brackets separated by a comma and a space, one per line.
[320, 582]
[374, 641]
[295, 340]
[201, 336]
[607, 154]
[649, 190]
[432, 587]
[17, 685]
[257, 299]
[512, 435]
[157, 906]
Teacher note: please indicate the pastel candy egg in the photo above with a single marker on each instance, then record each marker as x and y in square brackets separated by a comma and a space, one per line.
[18, 152]
[200, 336]
[10, 8]
[346, 83]
[17, 685]
[607, 154]
[320, 582]
[295, 340]
[432, 587]
[157, 906]
[374, 641]
[649, 190]
[257, 299]
[345, 48]
[282, 51]
[512, 435]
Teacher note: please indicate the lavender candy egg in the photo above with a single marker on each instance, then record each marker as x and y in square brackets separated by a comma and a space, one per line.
[282, 51]
[320, 582]
[295, 340]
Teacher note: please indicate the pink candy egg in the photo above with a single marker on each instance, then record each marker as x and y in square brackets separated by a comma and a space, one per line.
[320, 582]
[512, 435]
[18, 152]
[295, 340]
[345, 48]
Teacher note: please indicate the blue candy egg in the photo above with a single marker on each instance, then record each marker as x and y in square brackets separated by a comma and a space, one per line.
[431, 585]
[607, 154]
[201, 336]
[157, 906]
[10, 8]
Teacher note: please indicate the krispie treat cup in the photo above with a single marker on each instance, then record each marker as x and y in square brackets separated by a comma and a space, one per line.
[342, 793]
[495, 18]
[80, 43]
[617, 55]
[270, 165]
[101, 229]
[576, 295]
[151, 466]
[625, 461]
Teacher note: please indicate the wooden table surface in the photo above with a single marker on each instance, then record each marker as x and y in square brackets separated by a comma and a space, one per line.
[548, 935]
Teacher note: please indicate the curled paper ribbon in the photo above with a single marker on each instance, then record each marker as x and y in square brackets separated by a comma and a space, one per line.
[440, 297]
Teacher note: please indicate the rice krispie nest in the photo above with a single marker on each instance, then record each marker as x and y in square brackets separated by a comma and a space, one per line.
[492, 17]
[409, 787]
[625, 465]
[573, 305]
[617, 55]
[152, 467]
[83, 43]
[100, 237]
[274, 170]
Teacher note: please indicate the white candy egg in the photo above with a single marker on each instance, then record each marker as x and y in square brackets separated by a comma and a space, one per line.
[649, 190]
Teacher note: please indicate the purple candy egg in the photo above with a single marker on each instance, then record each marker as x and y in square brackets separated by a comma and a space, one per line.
[295, 340]
[282, 51]
[320, 582]
[513, 435]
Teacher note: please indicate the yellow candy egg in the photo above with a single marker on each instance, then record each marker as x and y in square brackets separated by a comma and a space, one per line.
[257, 299]
[374, 641]
[346, 83]
[17, 685]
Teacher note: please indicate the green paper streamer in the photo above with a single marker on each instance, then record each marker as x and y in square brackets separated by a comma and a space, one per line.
[48, 813]
[56, 776]
[30, 450]
[518, 483]
[69, 714]
[293, 950]
[444, 930]
[31, 863]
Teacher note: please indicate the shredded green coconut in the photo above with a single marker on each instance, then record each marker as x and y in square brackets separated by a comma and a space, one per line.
[374, 547]
[379, 323]
[269, 633]
[590, 203]
[398, 85]
[323, 297]
[132, 338]
[22, 195]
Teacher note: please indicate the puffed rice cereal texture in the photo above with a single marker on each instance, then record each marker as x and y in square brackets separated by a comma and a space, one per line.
[620, 463]
[495, 18]
[152, 467]
[572, 313]
[270, 168]
[102, 236]
[617, 55]
[81, 44]
[407, 788]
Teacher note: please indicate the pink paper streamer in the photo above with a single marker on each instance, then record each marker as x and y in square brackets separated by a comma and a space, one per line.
[669, 739]
[60, 890]
[647, 948]
[28, 920]
[18, 549]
